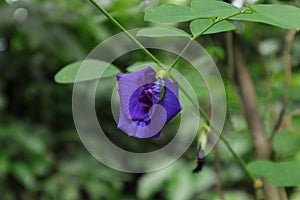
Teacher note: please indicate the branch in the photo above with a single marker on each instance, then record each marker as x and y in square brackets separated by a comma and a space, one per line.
[248, 100]
[249, 103]
[218, 173]
[214, 22]
[288, 73]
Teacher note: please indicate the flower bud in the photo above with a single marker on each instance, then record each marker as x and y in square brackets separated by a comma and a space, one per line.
[163, 73]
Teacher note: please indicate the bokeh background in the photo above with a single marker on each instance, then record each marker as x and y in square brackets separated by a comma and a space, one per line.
[41, 155]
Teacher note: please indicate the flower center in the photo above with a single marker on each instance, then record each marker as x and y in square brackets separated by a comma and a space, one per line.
[142, 100]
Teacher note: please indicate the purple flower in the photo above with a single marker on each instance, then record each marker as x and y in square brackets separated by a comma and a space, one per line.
[147, 103]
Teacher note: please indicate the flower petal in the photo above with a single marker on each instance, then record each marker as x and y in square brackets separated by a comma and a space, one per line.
[158, 120]
[129, 83]
[139, 111]
[142, 113]
[170, 100]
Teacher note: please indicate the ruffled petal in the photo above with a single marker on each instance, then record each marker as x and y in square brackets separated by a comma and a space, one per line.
[142, 113]
[158, 120]
[139, 110]
[170, 100]
[129, 83]
[173, 86]
[140, 78]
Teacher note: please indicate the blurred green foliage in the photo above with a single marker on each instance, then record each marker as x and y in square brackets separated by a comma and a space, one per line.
[41, 156]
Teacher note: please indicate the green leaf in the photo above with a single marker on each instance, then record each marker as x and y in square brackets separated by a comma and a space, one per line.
[279, 174]
[283, 16]
[286, 142]
[91, 69]
[70, 191]
[140, 65]
[199, 25]
[34, 145]
[162, 32]
[98, 190]
[212, 8]
[23, 174]
[40, 164]
[169, 13]
[296, 122]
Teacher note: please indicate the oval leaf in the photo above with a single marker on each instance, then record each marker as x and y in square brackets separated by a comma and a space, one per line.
[279, 174]
[286, 142]
[212, 8]
[283, 16]
[91, 69]
[162, 32]
[199, 25]
[169, 13]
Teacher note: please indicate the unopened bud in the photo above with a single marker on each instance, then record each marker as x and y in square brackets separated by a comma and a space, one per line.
[163, 73]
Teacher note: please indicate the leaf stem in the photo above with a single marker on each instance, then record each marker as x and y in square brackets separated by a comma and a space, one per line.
[237, 157]
[116, 23]
[214, 22]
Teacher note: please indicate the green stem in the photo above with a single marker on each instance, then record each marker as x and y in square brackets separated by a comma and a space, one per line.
[215, 21]
[202, 113]
[116, 23]
[237, 157]
[180, 54]
[152, 57]
[224, 140]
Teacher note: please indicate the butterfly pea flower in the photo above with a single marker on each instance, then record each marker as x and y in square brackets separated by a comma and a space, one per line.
[147, 103]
